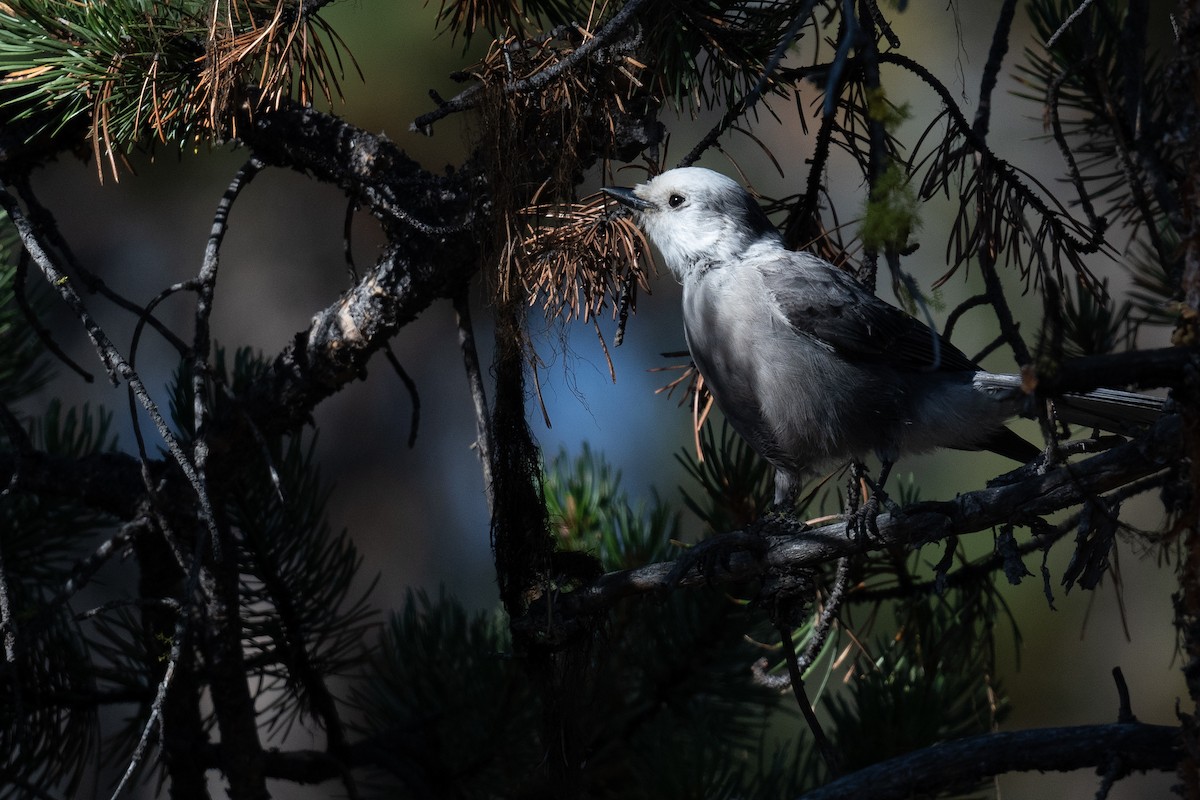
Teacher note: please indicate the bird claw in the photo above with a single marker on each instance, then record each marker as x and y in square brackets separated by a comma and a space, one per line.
[862, 523]
[861, 518]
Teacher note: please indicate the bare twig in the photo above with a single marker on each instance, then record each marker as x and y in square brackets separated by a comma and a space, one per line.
[1124, 709]
[962, 308]
[991, 70]
[470, 97]
[139, 751]
[35, 324]
[820, 632]
[206, 281]
[411, 386]
[116, 365]
[954, 767]
[88, 566]
[848, 37]
[1076, 14]
[747, 103]
[44, 221]
[810, 717]
[137, 602]
[1073, 173]
[180, 640]
[483, 423]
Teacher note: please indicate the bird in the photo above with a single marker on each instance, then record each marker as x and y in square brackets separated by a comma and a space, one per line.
[809, 366]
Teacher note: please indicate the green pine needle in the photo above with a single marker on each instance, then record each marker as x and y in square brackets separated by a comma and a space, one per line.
[136, 71]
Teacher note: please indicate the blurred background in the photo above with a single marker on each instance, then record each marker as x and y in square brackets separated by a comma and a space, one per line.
[418, 515]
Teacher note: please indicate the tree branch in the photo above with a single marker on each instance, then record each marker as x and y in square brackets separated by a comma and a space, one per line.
[960, 765]
[470, 97]
[555, 620]
[1145, 369]
[427, 221]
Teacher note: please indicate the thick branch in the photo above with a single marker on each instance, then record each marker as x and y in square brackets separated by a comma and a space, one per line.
[433, 251]
[342, 337]
[960, 765]
[1145, 369]
[370, 168]
[919, 523]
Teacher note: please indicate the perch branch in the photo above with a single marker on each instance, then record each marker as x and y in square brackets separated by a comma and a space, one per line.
[917, 524]
[961, 764]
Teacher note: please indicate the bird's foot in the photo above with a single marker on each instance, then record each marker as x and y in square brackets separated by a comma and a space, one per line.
[862, 518]
[862, 524]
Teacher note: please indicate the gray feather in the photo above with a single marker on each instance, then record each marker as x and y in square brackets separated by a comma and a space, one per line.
[807, 364]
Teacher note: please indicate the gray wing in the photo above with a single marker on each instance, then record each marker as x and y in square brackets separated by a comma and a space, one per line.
[823, 303]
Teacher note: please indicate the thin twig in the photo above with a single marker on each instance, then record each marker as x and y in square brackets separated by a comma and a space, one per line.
[1124, 708]
[206, 282]
[1116, 769]
[137, 602]
[751, 98]
[991, 70]
[155, 720]
[470, 97]
[88, 566]
[178, 641]
[414, 395]
[35, 324]
[8, 624]
[849, 35]
[962, 308]
[950, 766]
[114, 363]
[986, 256]
[1073, 173]
[829, 613]
[1067, 23]
[828, 754]
[44, 220]
[483, 424]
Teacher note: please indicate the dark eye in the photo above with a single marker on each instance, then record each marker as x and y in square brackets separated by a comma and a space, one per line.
[675, 200]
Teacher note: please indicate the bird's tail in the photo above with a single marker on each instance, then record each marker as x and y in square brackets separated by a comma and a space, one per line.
[1111, 410]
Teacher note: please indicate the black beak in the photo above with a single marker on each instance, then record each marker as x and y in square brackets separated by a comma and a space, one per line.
[626, 197]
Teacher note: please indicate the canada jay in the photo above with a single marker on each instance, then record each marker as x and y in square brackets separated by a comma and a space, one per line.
[808, 365]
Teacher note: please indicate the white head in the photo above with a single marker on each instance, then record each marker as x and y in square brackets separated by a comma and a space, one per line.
[696, 216]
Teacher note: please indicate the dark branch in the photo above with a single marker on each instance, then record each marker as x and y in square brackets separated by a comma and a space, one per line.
[917, 524]
[961, 765]
[593, 46]
[1144, 369]
[432, 252]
